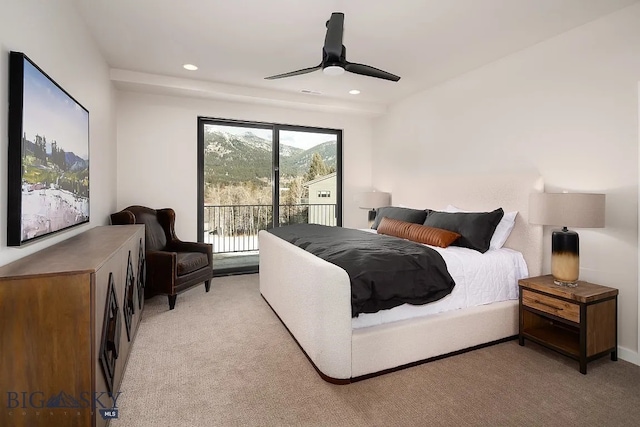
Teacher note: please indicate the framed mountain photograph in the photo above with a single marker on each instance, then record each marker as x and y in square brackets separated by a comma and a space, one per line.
[48, 188]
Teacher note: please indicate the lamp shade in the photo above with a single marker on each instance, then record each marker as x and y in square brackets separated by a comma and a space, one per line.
[374, 199]
[579, 210]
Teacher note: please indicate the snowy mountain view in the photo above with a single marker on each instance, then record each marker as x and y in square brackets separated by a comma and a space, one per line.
[244, 158]
[55, 188]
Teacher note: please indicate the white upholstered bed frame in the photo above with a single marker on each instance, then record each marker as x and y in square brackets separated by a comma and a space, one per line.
[312, 297]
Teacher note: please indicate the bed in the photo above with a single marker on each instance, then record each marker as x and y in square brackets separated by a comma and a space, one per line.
[312, 297]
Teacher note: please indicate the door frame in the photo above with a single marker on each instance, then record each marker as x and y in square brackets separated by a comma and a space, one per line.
[275, 163]
[276, 166]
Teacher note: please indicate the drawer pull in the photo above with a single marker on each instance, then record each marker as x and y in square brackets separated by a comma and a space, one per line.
[548, 305]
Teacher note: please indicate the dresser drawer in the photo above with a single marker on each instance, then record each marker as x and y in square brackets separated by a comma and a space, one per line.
[551, 305]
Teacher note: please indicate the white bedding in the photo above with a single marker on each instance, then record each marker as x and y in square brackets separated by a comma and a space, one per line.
[480, 279]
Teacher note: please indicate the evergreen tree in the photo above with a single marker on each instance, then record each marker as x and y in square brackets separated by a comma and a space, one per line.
[63, 159]
[44, 150]
[292, 197]
[316, 169]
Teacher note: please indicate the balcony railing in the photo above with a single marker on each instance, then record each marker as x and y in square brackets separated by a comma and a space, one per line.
[234, 228]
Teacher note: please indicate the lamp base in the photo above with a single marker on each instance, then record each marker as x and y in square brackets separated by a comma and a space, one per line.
[372, 217]
[565, 257]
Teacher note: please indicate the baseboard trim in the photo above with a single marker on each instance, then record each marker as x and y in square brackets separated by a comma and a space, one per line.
[629, 356]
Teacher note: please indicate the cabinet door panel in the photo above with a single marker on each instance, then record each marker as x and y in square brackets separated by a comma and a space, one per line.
[31, 329]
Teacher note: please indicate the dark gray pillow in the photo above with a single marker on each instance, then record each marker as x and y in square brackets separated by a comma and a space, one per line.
[475, 228]
[416, 216]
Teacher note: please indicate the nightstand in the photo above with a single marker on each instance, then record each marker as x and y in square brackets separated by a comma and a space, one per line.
[578, 322]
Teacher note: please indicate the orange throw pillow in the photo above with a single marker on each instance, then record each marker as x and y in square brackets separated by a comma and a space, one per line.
[417, 233]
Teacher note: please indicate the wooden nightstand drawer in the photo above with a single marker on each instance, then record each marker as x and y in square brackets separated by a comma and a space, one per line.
[551, 305]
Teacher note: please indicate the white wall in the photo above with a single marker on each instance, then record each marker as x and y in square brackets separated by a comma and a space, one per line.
[54, 36]
[566, 108]
[157, 151]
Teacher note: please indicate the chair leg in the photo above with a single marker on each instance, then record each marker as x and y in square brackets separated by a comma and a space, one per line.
[207, 285]
[172, 301]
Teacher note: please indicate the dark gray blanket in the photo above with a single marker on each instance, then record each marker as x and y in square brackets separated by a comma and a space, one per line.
[385, 271]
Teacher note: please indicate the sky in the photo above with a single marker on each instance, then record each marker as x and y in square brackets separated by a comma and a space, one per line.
[304, 140]
[48, 111]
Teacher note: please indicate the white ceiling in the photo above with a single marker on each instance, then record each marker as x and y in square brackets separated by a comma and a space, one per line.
[236, 43]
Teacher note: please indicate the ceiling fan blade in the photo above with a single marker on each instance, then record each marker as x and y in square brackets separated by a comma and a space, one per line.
[333, 40]
[295, 73]
[367, 70]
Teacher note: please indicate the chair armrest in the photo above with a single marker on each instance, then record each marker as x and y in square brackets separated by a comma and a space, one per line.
[123, 218]
[161, 267]
[167, 218]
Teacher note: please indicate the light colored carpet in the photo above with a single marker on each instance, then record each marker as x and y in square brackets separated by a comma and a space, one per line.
[224, 359]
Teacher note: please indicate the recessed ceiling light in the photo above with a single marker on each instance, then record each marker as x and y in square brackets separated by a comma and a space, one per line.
[354, 91]
[189, 67]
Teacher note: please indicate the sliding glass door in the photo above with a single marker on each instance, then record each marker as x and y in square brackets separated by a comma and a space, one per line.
[308, 178]
[254, 176]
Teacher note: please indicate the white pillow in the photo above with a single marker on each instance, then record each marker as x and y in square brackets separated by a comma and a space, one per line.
[503, 230]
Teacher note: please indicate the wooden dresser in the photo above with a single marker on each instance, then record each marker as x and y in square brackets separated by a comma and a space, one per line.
[68, 317]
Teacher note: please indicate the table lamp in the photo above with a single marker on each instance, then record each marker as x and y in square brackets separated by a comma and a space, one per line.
[580, 210]
[372, 200]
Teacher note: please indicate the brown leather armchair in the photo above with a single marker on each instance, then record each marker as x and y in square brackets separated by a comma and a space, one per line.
[173, 266]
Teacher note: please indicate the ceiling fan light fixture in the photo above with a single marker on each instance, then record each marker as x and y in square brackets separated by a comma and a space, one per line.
[334, 54]
[333, 70]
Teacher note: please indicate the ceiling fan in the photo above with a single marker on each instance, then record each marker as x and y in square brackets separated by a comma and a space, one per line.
[334, 56]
